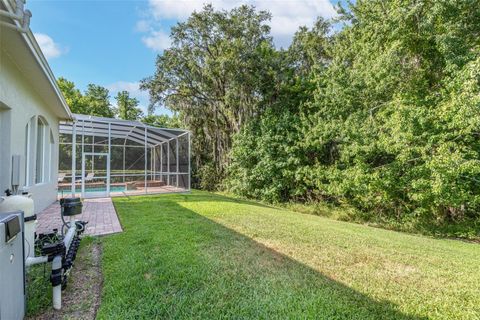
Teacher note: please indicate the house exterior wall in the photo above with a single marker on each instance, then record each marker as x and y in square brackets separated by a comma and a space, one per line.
[19, 105]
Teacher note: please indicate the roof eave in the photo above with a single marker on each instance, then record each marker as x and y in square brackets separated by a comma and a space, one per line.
[33, 46]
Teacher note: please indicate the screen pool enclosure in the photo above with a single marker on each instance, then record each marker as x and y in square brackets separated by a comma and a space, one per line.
[102, 157]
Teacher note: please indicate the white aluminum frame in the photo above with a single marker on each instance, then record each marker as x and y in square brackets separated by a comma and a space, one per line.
[144, 136]
[107, 177]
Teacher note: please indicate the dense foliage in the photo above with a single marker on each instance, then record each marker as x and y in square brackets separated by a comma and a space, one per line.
[127, 107]
[95, 101]
[382, 113]
[163, 120]
[214, 76]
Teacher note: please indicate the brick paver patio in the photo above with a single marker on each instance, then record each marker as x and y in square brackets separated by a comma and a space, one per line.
[100, 214]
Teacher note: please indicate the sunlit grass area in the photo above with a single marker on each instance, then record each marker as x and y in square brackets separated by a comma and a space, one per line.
[208, 256]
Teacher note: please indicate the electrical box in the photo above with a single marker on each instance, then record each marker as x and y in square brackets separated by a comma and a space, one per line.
[15, 170]
[12, 266]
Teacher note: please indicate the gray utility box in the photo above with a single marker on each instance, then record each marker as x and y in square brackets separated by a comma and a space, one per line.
[12, 266]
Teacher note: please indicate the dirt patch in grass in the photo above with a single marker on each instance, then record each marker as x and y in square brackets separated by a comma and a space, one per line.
[81, 298]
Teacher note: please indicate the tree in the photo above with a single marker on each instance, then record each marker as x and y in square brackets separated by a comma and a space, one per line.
[215, 76]
[266, 152]
[162, 121]
[73, 96]
[95, 100]
[374, 128]
[381, 115]
[307, 54]
[127, 108]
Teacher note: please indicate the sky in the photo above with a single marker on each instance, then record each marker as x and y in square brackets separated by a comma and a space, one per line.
[114, 43]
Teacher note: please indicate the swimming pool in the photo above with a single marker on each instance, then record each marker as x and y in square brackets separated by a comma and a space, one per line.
[94, 189]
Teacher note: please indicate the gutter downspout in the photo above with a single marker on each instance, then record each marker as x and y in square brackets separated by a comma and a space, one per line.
[20, 15]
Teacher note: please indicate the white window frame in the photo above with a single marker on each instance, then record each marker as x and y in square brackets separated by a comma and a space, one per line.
[44, 164]
[28, 150]
[51, 155]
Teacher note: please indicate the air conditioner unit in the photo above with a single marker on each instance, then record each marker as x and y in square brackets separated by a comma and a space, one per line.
[12, 266]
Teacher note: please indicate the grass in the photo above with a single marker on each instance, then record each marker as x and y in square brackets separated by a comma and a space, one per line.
[467, 229]
[208, 256]
[78, 299]
[39, 289]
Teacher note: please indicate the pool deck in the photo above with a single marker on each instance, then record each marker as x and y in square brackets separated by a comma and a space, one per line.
[138, 191]
[99, 212]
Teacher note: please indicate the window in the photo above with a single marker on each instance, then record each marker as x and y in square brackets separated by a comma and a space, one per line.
[28, 152]
[40, 158]
[42, 152]
[51, 153]
[39, 148]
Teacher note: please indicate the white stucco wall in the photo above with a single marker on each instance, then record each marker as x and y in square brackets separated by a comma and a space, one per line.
[19, 102]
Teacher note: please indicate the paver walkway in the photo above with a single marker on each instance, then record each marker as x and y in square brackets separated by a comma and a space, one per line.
[100, 214]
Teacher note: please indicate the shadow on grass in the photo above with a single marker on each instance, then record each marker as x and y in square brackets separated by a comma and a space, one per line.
[171, 262]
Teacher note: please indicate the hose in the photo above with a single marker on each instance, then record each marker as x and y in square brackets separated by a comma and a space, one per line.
[65, 223]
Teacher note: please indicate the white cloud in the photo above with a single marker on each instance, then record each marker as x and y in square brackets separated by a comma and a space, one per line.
[287, 16]
[132, 87]
[143, 26]
[50, 48]
[157, 40]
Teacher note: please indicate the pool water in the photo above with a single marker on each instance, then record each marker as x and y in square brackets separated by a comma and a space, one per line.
[95, 189]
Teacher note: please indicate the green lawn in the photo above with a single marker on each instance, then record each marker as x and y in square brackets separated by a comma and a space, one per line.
[207, 256]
